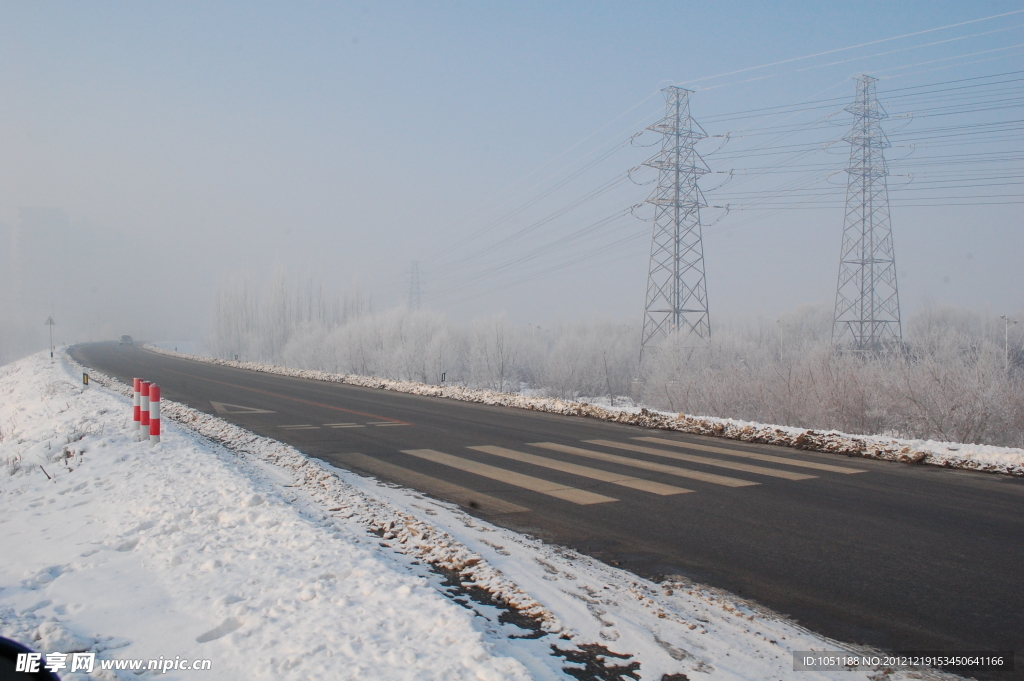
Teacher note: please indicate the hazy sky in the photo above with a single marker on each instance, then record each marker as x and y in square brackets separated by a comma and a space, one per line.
[345, 140]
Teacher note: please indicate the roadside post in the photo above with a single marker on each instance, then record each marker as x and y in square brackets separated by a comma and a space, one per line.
[136, 403]
[144, 410]
[154, 414]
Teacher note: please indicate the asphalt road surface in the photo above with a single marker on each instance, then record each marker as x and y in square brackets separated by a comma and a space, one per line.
[901, 557]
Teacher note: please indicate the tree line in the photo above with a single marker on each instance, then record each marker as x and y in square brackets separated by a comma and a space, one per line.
[949, 380]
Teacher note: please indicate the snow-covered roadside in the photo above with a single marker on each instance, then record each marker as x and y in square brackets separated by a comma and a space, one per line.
[986, 458]
[184, 549]
[184, 347]
[274, 565]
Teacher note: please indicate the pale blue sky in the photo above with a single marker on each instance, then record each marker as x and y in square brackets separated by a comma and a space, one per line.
[346, 140]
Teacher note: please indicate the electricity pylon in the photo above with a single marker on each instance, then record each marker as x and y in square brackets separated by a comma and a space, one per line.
[677, 299]
[867, 313]
[414, 286]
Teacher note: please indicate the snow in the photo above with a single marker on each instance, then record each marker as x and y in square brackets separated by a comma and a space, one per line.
[178, 550]
[220, 544]
[985, 458]
[185, 347]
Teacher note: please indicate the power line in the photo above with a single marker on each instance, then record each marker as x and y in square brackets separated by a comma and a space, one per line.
[775, 150]
[854, 47]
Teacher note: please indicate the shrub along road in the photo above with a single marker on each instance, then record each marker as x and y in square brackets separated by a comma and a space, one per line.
[896, 556]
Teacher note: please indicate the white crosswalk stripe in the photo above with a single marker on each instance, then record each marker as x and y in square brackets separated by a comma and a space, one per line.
[554, 489]
[486, 503]
[714, 479]
[707, 461]
[754, 455]
[585, 471]
[483, 503]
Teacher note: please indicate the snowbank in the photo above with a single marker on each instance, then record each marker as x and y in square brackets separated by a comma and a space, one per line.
[185, 347]
[987, 458]
[273, 565]
[129, 551]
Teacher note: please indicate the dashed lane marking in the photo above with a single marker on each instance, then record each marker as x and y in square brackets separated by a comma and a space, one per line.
[723, 480]
[237, 409]
[344, 425]
[301, 427]
[552, 489]
[286, 397]
[759, 470]
[387, 423]
[584, 471]
[467, 498]
[753, 455]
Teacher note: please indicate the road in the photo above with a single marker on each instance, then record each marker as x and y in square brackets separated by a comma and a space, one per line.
[897, 556]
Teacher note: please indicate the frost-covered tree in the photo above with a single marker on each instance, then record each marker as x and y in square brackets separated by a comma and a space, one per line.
[947, 380]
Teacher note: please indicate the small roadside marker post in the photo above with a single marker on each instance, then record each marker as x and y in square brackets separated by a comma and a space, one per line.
[154, 415]
[144, 410]
[136, 403]
[85, 379]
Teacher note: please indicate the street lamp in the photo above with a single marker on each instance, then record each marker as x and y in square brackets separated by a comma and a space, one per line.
[1006, 340]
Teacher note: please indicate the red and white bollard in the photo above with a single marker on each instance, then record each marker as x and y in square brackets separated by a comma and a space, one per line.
[154, 414]
[136, 404]
[144, 411]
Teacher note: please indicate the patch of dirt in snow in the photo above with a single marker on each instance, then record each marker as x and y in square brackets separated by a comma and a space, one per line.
[984, 458]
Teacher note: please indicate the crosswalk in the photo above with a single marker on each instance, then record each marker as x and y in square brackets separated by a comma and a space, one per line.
[552, 489]
[786, 461]
[707, 461]
[585, 471]
[568, 472]
[712, 478]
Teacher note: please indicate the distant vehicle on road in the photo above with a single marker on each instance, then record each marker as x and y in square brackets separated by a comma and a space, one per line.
[126, 340]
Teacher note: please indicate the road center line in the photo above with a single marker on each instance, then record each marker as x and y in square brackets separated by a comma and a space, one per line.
[293, 399]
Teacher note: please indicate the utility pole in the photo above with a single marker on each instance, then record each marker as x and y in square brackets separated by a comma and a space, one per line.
[50, 323]
[867, 312]
[677, 299]
[414, 286]
[1006, 341]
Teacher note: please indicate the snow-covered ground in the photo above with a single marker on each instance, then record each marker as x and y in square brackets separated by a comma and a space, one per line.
[987, 458]
[218, 544]
[185, 347]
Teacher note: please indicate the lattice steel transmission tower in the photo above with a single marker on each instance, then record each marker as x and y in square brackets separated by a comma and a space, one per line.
[867, 313]
[677, 298]
[415, 293]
